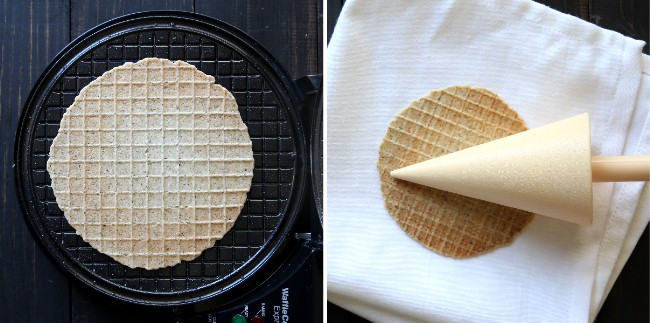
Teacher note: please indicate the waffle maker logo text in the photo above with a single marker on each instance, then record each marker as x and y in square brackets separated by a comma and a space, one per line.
[281, 313]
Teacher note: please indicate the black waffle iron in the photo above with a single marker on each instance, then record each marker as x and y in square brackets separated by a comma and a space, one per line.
[268, 268]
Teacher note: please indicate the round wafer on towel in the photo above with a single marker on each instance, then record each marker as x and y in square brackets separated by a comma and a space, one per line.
[152, 163]
[445, 121]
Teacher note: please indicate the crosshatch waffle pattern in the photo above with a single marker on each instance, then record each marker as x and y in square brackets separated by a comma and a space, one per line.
[273, 147]
[443, 122]
[152, 163]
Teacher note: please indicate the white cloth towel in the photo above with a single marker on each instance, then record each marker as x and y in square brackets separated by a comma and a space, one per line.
[546, 65]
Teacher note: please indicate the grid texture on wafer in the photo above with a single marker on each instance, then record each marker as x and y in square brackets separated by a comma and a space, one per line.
[445, 121]
[152, 163]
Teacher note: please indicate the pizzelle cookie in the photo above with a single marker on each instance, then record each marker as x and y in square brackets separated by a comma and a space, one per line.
[445, 121]
[152, 163]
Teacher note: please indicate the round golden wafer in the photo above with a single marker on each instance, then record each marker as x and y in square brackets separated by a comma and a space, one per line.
[152, 163]
[445, 121]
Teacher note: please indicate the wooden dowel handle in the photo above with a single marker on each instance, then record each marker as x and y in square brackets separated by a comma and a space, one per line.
[620, 168]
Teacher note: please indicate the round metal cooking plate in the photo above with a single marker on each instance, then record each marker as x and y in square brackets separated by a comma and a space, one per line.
[266, 99]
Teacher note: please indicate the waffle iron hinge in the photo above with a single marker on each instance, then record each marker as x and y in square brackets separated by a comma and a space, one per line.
[310, 84]
[306, 239]
[310, 88]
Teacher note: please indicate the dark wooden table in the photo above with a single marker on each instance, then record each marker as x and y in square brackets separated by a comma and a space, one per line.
[32, 32]
[628, 300]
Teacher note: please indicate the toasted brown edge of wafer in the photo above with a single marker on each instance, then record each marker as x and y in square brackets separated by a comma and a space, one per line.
[524, 224]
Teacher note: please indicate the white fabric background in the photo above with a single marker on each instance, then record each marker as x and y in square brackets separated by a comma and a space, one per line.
[548, 66]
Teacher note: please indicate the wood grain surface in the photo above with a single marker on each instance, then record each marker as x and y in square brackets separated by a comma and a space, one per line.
[629, 299]
[32, 32]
